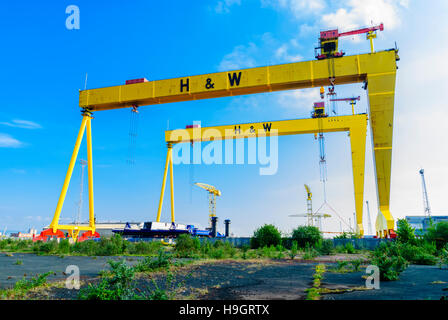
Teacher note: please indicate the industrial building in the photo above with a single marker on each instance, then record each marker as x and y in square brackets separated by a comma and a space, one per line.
[422, 223]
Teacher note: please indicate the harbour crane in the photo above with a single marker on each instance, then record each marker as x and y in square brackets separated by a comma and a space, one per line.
[378, 69]
[314, 218]
[425, 195]
[351, 100]
[328, 41]
[212, 194]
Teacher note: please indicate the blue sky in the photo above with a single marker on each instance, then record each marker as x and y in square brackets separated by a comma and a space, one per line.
[44, 65]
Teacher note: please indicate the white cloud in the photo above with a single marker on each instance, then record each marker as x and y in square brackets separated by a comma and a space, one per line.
[24, 124]
[282, 53]
[298, 8]
[6, 141]
[224, 6]
[358, 13]
[301, 99]
[241, 57]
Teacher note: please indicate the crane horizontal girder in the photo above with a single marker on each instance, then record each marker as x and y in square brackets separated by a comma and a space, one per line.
[356, 125]
[378, 69]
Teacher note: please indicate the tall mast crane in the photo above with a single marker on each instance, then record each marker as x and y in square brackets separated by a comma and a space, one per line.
[425, 195]
[212, 194]
[351, 100]
[314, 218]
[328, 41]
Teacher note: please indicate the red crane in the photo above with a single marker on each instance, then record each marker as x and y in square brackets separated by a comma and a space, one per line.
[328, 40]
[351, 100]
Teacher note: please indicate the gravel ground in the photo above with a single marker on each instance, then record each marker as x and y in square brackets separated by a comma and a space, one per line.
[237, 280]
[415, 283]
[32, 264]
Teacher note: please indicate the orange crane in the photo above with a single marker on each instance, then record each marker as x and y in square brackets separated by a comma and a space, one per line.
[328, 41]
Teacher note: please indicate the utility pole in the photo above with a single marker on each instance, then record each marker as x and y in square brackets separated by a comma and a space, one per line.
[83, 165]
[368, 218]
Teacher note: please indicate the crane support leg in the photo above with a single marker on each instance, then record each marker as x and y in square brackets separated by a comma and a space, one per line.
[168, 163]
[55, 221]
[381, 91]
[358, 148]
[73, 230]
[90, 173]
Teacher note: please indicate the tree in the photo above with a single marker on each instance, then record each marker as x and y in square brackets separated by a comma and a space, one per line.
[307, 236]
[267, 235]
[438, 233]
[405, 233]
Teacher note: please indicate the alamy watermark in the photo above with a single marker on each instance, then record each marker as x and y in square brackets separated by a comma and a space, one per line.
[262, 146]
[373, 279]
[72, 22]
[72, 281]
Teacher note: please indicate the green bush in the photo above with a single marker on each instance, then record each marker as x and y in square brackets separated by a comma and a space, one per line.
[27, 284]
[187, 246]
[348, 235]
[349, 248]
[326, 247]
[267, 235]
[64, 246]
[48, 247]
[117, 285]
[388, 259]
[438, 233]
[150, 264]
[293, 251]
[216, 253]
[306, 236]
[405, 233]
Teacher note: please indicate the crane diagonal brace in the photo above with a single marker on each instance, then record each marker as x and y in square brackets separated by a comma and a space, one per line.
[356, 125]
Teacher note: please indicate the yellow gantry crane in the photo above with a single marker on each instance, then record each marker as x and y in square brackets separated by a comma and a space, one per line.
[377, 70]
[356, 126]
[212, 194]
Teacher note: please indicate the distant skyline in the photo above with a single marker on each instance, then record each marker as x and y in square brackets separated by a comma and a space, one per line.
[44, 64]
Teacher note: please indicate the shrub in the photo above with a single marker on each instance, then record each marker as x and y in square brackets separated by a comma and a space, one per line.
[148, 264]
[356, 264]
[186, 246]
[405, 233]
[326, 247]
[267, 235]
[348, 235]
[216, 253]
[388, 259]
[438, 233]
[64, 246]
[307, 236]
[349, 248]
[310, 253]
[293, 251]
[48, 247]
[118, 285]
[27, 284]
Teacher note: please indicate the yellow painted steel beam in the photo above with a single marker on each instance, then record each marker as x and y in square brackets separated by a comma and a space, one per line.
[297, 75]
[261, 129]
[356, 125]
[54, 223]
[90, 174]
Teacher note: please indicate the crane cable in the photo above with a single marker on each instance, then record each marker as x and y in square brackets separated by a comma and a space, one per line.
[133, 130]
